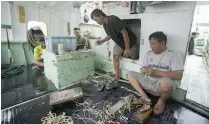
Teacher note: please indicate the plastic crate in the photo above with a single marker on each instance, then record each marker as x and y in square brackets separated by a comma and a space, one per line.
[52, 43]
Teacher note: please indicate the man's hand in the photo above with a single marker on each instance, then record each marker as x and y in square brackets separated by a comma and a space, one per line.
[143, 70]
[99, 42]
[127, 53]
[147, 71]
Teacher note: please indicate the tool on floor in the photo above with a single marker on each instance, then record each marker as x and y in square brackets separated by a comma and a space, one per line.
[65, 95]
[113, 109]
[125, 102]
[143, 113]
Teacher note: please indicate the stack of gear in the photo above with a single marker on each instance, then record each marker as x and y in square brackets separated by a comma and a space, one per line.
[10, 70]
[33, 37]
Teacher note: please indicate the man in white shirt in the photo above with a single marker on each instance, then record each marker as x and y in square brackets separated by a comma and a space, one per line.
[160, 67]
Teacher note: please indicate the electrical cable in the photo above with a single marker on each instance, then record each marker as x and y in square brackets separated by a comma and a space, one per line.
[10, 70]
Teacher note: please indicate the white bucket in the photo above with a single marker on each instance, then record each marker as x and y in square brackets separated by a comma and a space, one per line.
[61, 49]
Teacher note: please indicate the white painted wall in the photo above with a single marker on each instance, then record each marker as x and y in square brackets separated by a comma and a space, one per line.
[5, 19]
[175, 20]
[176, 25]
[74, 17]
[56, 21]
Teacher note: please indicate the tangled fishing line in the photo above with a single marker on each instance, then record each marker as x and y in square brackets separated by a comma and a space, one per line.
[92, 113]
[52, 118]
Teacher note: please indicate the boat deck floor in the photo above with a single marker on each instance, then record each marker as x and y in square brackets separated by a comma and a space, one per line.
[25, 101]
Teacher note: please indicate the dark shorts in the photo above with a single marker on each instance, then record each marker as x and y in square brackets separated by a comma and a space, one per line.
[118, 51]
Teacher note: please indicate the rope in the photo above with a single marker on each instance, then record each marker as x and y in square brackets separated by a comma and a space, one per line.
[9, 70]
[101, 116]
[52, 118]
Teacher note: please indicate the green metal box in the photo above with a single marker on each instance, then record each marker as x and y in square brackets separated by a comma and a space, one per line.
[68, 69]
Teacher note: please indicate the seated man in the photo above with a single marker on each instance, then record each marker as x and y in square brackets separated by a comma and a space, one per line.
[81, 42]
[38, 60]
[160, 67]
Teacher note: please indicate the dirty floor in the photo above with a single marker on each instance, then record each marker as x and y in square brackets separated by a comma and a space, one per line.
[23, 88]
[28, 85]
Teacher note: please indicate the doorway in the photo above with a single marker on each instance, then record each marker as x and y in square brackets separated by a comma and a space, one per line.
[196, 73]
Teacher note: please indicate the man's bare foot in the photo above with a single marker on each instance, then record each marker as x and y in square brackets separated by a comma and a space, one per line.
[143, 101]
[115, 77]
[159, 107]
